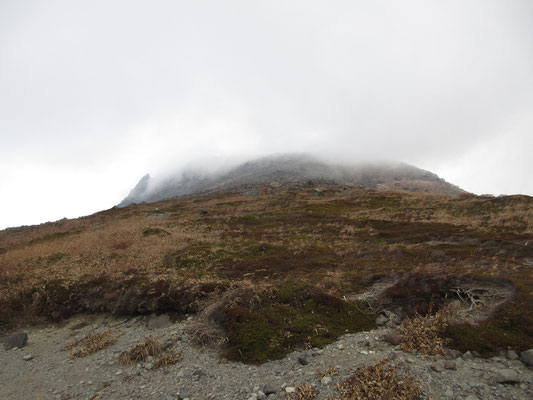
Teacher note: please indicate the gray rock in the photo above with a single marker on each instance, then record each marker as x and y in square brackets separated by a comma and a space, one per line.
[393, 338]
[455, 353]
[511, 355]
[381, 320]
[438, 366]
[27, 357]
[305, 358]
[468, 356]
[507, 375]
[527, 357]
[449, 364]
[159, 322]
[261, 395]
[17, 340]
[471, 397]
[326, 380]
[269, 389]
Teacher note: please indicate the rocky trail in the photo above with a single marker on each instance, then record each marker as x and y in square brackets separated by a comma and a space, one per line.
[44, 369]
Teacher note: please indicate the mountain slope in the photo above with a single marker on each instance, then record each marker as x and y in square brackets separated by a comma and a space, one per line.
[291, 170]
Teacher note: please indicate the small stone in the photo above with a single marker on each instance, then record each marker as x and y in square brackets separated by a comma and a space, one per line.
[326, 380]
[507, 375]
[27, 357]
[511, 355]
[437, 367]
[471, 397]
[269, 389]
[527, 357]
[340, 347]
[253, 397]
[290, 389]
[455, 354]
[305, 358]
[159, 322]
[261, 395]
[148, 366]
[448, 393]
[119, 372]
[381, 320]
[449, 364]
[17, 340]
[468, 356]
[393, 338]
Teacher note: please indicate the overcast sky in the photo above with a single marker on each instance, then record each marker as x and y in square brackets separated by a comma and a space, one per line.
[94, 94]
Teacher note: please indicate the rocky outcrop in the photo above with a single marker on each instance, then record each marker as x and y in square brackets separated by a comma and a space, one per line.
[290, 171]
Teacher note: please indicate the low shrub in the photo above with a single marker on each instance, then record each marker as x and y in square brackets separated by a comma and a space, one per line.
[378, 382]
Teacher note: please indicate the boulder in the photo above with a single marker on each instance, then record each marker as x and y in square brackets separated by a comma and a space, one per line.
[393, 338]
[507, 375]
[18, 340]
[527, 357]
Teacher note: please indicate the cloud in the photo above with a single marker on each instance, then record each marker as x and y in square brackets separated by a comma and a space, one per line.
[138, 87]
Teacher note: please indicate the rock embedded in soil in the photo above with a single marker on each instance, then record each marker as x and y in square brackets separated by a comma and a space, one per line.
[527, 357]
[507, 375]
[159, 322]
[17, 340]
[393, 338]
[305, 358]
[269, 389]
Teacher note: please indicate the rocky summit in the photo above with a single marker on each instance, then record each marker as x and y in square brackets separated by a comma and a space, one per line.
[290, 170]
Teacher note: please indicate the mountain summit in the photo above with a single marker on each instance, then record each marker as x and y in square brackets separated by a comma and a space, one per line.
[291, 170]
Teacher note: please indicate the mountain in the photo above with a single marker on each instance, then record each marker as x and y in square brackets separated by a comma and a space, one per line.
[291, 170]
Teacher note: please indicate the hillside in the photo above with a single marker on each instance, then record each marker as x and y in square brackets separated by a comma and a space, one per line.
[269, 271]
[288, 170]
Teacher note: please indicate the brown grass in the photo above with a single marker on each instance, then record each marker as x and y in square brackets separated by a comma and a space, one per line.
[126, 262]
[303, 392]
[423, 334]
[140, 352]
[168, 359]
[378, 382]
[92, 342]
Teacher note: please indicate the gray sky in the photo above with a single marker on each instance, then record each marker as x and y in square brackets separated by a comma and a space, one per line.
[94, 94]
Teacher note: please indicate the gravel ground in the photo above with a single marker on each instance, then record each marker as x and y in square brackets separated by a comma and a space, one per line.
[52, 374]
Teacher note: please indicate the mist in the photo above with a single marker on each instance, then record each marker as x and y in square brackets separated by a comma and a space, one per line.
[93, 95]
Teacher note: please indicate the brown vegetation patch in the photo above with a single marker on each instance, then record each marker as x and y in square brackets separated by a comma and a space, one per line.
[303, 392]
[422, 334]
[379, 382]
[140, 352]
[92, 342]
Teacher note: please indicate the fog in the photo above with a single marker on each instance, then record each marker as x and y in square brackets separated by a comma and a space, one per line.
[95, 94]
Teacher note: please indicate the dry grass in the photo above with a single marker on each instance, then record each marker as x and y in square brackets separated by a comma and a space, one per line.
[92, 342]
[423, 334]
[168, 359]
[123, 260]
[303, 392]
[331, 371]
[378, 382]
[140, 352]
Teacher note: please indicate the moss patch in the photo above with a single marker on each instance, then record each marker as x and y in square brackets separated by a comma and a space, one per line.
[299, 317]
